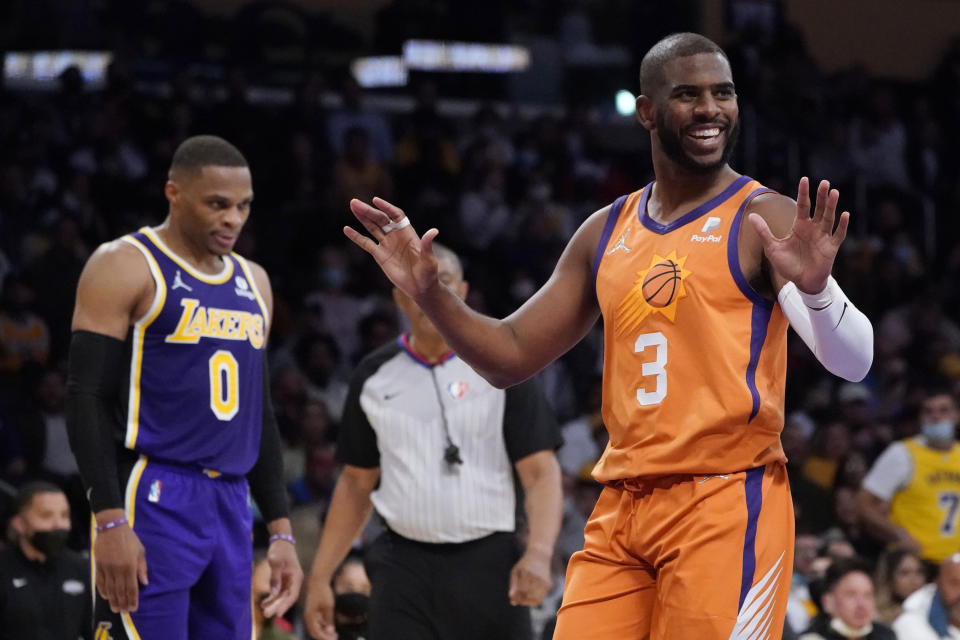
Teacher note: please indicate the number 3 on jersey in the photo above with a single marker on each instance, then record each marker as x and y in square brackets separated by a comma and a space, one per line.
[653, 368]
[224, 385]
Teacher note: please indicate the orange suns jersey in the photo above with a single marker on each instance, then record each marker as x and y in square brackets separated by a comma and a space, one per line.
[694, 358]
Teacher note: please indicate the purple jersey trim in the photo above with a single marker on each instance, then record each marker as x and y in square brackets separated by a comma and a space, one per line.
[690, 216]
[753, 488]
[612, 216]
[762, 308]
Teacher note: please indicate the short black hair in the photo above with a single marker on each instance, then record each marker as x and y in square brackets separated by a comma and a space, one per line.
[29, 491]
[842, 567]
[676, 45]
[198, 152]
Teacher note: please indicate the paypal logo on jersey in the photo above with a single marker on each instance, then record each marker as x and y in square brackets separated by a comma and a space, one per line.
[209, 322]
[712, 223]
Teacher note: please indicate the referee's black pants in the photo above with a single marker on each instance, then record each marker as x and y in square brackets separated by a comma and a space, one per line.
[424, 591]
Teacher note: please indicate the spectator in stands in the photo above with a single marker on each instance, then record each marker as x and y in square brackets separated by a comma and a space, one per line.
[43, 433]
[911, 496]
[832, 446]
[351, 590]
[800, 606]
[899, 574]
[24, 336]
[44, 587]
[933, 611]
[319, 358]
[357, 173]
[353, 113]
[848, 605]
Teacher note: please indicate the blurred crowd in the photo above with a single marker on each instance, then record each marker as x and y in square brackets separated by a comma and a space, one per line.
[79, 167]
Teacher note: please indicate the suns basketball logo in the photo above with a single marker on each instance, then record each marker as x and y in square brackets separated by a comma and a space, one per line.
[656, 290]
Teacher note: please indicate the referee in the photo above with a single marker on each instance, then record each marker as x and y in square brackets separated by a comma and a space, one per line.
[433, 448]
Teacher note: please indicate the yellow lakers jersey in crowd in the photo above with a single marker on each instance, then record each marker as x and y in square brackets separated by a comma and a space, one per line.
[694, 357]
[928, 506]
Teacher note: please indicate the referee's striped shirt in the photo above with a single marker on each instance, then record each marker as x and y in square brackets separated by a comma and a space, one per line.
[394, 419]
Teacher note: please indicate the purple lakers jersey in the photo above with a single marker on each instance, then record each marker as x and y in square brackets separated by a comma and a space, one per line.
[195, 387]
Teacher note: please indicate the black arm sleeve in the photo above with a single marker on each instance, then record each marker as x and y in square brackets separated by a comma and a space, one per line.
[529, 425]
[266, 477]
[94, 375]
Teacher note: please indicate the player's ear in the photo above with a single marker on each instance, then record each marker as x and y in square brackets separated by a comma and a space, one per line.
[461, 288]
[645, 112]
[172, 190]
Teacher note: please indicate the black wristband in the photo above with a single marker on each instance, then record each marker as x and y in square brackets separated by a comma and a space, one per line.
[94, 375]
[266, 477]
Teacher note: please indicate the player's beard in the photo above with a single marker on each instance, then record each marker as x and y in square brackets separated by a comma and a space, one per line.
[673, 148]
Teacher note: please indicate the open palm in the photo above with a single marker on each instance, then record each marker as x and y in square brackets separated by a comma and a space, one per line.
[805, 256]
[406, 259]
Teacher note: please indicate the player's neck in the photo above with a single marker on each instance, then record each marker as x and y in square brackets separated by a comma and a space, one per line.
[676, 191]
[430, 347]
[196, 254]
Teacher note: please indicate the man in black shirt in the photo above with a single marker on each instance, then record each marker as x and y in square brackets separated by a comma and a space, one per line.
[43, 586]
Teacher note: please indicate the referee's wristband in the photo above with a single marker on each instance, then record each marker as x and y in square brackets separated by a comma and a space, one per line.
[113, 524]
[286, 537]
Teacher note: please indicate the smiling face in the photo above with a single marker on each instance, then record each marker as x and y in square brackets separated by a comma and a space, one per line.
[210, 206]
[695, 117]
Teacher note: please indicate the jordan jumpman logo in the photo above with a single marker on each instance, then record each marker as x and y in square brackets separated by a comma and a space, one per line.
[621, 244]
[178, 282]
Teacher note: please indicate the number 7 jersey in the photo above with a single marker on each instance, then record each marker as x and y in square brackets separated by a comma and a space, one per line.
[694, 358]
[195, 392]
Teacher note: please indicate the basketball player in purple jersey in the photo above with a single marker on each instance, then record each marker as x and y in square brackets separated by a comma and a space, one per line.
[169, 414]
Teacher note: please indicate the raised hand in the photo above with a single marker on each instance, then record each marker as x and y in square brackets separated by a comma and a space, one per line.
[405, 258]
[805, 256]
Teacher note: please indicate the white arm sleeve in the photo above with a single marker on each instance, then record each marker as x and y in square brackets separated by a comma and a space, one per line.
[836, 331]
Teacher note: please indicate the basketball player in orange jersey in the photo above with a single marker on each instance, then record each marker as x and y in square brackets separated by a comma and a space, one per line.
[697, 276]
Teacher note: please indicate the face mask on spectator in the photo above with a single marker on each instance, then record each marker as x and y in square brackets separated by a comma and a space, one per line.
[939, 431]
[49, 542]
[351, 615]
